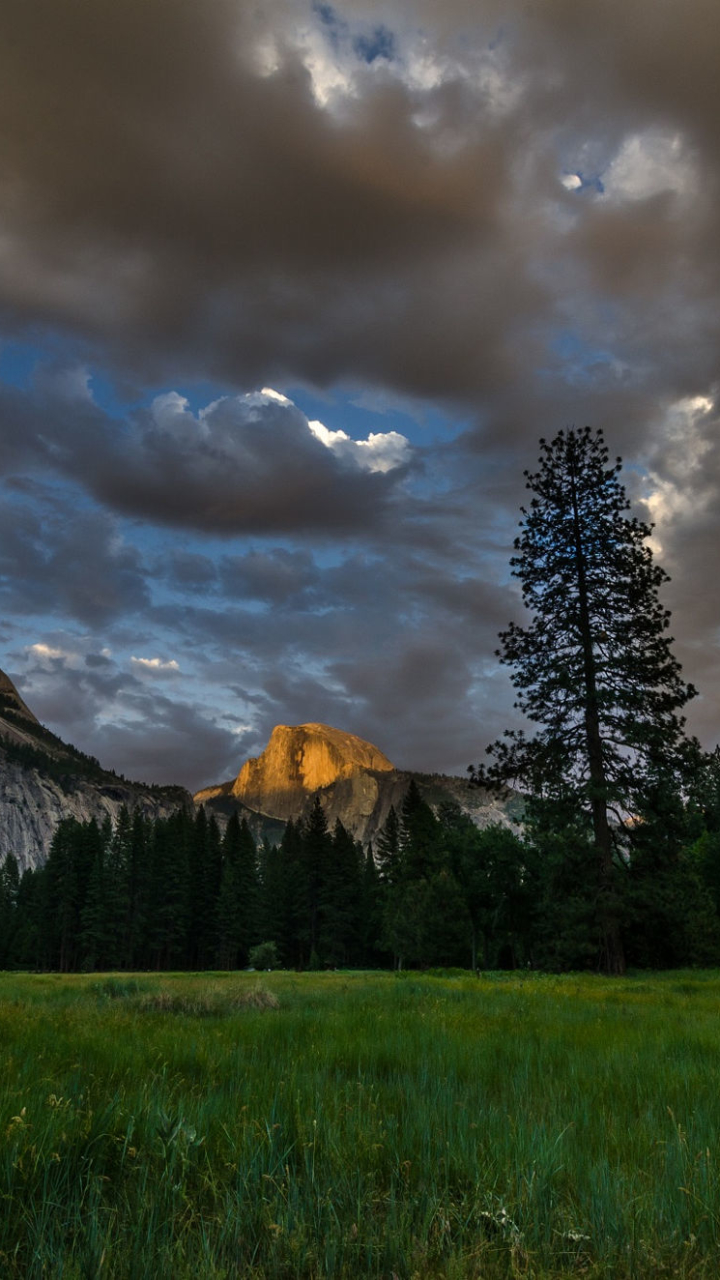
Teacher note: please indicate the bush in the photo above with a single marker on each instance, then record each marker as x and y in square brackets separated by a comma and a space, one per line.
[264, 956]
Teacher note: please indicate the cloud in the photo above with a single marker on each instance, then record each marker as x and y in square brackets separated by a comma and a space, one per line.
[389, 214]
[155, 666]
[497, 217]
[58, 557]
[169, 742]
[647, 165]
[277, 577]
[382, 451]
[45, 653]
[245, 463]
[244, 252]
[130, 727]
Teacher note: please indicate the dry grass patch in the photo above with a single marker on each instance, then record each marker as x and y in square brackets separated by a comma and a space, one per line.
[209, 1004]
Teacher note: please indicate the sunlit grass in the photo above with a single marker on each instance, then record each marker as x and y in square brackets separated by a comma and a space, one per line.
[339, 1125]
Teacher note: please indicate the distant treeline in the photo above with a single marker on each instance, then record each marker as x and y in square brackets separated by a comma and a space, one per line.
[173, 893]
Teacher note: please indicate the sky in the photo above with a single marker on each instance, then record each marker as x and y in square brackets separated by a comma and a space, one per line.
[289, 292]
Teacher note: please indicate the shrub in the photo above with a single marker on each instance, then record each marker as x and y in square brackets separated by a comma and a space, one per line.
[264, 956]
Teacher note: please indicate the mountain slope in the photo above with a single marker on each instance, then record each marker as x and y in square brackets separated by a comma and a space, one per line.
[43, 779]
[353, 779]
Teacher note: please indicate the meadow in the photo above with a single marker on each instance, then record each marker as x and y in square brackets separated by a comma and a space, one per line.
[342, 1125]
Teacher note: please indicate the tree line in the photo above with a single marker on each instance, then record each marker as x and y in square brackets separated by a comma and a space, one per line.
[175, 893]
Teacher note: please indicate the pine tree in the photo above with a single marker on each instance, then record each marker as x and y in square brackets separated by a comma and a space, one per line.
[205, 869]
[29, 943]
[94, 940]
[341, 900]
[593, 667]
[491, 867]
[316, 853]
[237, 910]
[283, 896]
[9, 889]
[420, 837]
[389, 853]
[129, 886]
[373, 893]
[413, 856]
[168, 906]
[62, 897]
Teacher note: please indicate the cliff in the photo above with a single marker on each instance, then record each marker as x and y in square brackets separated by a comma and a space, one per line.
[353, 779]
[300, 760]
[43, 779]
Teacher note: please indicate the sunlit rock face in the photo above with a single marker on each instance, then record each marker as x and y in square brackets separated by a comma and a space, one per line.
[43, 780]
[353, 780]
[302, 759]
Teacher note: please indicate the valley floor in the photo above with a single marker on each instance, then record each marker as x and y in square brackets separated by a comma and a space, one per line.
[370, 1125]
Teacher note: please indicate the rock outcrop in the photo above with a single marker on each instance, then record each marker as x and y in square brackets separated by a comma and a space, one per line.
[354, 781]
[16, 718]
[301, 760]
[43, 779]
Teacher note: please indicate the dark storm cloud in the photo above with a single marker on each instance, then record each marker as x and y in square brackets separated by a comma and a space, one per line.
[246, 464]
[171, 742]
[171, 179]
[175, 184]
[152, 738]
[56, 559]
[278, 577]
[387, 646]
[255, 468]
[158, 183]
[369, 195]
[188, 570]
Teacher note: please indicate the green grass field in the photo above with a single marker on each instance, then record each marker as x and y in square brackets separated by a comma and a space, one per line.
[346, 1125]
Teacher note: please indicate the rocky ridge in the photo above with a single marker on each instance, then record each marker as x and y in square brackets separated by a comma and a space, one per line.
[43, 779]
[354, 781]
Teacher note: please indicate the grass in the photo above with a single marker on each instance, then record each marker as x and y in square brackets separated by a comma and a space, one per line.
[341, 1125]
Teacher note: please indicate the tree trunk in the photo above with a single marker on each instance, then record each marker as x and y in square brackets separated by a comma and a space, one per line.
[613, 955]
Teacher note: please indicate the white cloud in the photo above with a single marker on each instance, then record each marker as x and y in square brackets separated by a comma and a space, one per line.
[382, 451]
[277, 396]
[171, 413]
[331, 439]
[168, 407]
[679, 491]
[649, 163]
[331, 77]
[155, 666]
[46, 653]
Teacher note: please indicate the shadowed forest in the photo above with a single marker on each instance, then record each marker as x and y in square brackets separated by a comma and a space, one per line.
[436, 891]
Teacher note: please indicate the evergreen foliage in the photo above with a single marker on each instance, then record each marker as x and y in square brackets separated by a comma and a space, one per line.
[593, 668]
[133, 897]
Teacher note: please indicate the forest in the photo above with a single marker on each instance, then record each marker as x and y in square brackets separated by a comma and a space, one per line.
[436, 891]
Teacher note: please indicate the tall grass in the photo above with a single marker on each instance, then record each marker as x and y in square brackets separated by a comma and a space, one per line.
[359, 1125]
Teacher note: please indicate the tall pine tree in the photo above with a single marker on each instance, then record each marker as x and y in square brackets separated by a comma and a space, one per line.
[593, 666]
[237, 908]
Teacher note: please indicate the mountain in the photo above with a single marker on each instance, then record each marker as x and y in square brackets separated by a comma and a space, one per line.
[298, 761]
[353, 779]
[43, 779]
